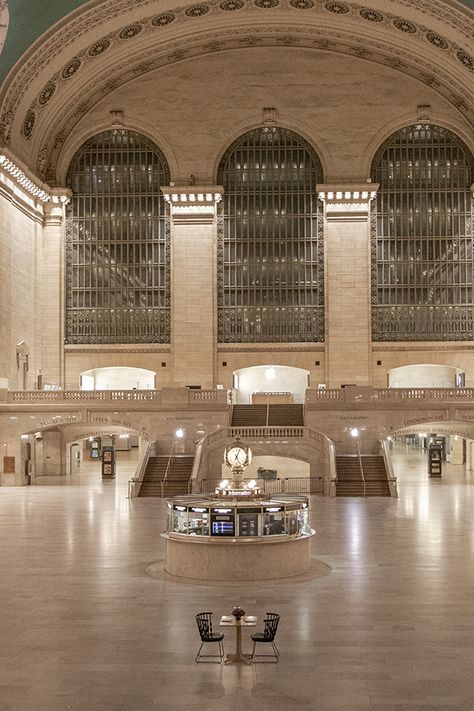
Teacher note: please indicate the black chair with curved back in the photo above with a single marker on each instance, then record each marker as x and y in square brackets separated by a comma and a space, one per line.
[267, 636]
[204, 623]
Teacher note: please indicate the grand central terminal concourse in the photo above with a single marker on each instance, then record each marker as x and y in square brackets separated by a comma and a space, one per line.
[236, 355]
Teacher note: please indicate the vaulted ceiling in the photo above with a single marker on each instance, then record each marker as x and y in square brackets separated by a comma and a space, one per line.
[100, 45]
[26, 24]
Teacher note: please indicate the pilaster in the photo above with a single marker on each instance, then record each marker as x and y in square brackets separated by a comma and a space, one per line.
[51, 290]
[193, 283]
[347, 266]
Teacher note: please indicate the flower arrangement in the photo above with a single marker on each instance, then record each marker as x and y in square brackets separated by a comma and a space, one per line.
[238, 613]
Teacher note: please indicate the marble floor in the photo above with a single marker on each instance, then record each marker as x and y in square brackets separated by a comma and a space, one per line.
[389, 628]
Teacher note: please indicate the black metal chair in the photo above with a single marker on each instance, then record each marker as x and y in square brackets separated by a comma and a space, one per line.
[204, 623]
[267, 636]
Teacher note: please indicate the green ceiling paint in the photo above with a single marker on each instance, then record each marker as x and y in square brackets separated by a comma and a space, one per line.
[28, 20]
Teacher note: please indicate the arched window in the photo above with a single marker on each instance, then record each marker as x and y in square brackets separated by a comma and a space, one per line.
[422, 256]
[270, 241]
[117, 255]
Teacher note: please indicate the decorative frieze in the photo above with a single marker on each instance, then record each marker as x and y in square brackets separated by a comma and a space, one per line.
[349, 202]
[193, 203]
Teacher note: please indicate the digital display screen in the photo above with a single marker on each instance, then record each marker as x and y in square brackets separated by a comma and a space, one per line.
[222, 526]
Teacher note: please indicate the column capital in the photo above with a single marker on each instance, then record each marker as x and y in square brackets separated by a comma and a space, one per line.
[192, 203]
[347, 200]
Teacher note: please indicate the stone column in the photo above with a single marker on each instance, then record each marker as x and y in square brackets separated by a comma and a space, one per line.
[348, 288]
[193, 283]
[51, 290]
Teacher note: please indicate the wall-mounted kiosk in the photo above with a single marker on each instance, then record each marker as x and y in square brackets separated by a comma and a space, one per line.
[108, 463]
[435, 461]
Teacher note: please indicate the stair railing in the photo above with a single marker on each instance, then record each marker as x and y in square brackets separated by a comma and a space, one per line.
[391, 476]
[167, 470]
[134, 484]
[360, 465]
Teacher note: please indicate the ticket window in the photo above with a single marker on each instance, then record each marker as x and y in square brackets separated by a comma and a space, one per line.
[180, 519]
[274, 523]
[304, 528]
[292, 522]
[198, 522]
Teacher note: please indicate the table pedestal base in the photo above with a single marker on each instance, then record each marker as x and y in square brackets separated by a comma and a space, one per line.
[238, 659]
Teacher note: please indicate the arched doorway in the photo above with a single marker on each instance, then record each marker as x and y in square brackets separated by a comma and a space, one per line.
[425, 375]
[118, 378]
[273, 384]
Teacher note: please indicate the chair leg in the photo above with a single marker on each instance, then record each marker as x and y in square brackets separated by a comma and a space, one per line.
[201, 658]
[196, 658]
[274, 656]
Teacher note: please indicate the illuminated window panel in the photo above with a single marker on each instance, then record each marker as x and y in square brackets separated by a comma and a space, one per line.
[422, 256]
[117, 245]
[270, 239]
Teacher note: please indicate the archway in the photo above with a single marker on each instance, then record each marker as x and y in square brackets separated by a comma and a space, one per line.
[274, 384]
[410, 448]
[425, 375]
[74, 453]
[118, 378]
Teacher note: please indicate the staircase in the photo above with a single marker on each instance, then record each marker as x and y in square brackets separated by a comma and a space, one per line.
[375, 473]
[285, 415]
[177, 480]
[278, 416]
[349, 477]
[249, 416]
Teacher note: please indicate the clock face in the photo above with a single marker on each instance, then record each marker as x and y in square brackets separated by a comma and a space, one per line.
[236, 455]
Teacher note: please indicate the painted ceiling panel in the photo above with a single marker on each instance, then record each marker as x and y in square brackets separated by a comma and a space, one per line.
[28, 20]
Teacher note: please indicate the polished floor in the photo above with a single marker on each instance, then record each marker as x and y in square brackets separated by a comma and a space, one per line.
[389, 628]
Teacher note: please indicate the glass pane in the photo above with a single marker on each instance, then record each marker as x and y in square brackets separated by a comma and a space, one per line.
[117, 250]
[422, 237]
[270, 268]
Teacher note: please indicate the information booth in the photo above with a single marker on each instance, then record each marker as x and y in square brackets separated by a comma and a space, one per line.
[211, 539]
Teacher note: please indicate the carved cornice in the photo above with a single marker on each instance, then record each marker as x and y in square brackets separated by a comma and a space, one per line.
[289, 348]
[437, 346]
[107, 349]
[159, 32]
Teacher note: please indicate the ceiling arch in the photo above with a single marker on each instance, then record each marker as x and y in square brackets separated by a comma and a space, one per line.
[64, 77]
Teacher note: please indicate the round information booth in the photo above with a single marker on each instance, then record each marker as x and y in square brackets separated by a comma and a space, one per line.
[238, 535]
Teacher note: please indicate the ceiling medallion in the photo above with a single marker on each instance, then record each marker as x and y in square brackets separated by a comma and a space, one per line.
[466, 59]
[371, 15]
[302, 4]
[162, 20]
[339, 8]
[98, 47]
[197, 10]
[29, 123]
[130, 31]
[230, 5]
[71, 68]
[47, 93]
[404, 25]
[437, 40]
[266, 4]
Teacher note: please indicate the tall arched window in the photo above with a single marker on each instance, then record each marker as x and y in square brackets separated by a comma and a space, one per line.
[117, 255]
[422, 255]
[270, 257]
